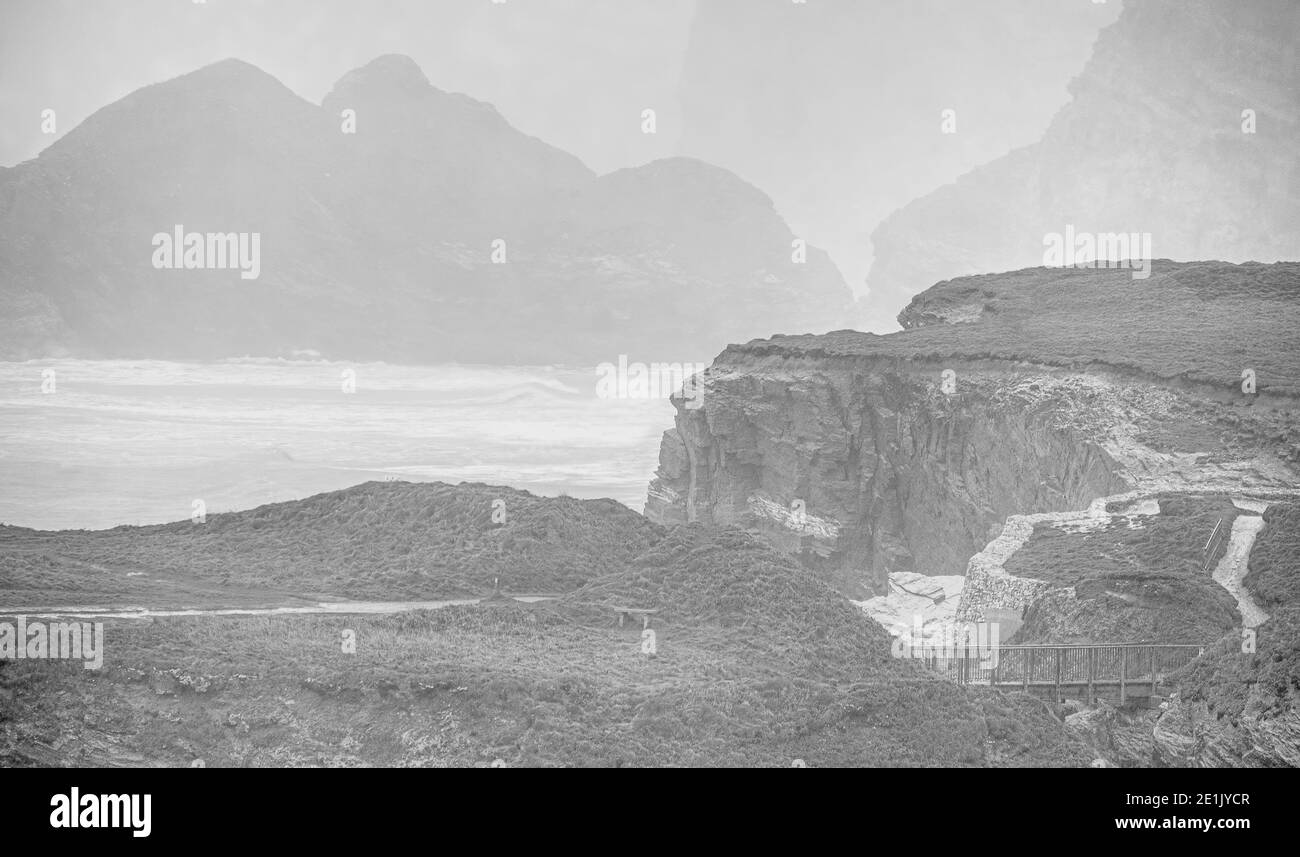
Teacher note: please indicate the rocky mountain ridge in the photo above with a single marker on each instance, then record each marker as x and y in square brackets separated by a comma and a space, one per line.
[395, 222]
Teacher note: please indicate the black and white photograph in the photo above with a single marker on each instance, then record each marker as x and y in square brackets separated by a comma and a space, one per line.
[907, 384]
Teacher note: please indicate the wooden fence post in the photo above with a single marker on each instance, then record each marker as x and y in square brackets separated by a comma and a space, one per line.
[1058, 676]
[1123, 674]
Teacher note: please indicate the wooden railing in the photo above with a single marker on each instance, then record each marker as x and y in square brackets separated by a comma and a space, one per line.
[1217, 535]
[1133, 668]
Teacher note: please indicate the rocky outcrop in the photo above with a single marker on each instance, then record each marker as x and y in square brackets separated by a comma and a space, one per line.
[1182, 126]
[1190, 734]
[1121, 738]
[872, 455]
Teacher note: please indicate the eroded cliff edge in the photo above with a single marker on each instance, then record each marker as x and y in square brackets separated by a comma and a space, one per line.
[1033, 391]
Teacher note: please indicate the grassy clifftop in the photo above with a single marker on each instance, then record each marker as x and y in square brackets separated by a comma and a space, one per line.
[1199, 321]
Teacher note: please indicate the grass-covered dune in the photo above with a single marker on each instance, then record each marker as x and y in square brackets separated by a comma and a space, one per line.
[378, 540]
[757, 663]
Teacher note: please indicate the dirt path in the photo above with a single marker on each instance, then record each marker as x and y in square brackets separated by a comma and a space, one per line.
[346, 608]
[1233, 567]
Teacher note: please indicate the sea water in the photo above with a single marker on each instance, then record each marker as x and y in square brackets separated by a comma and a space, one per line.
[93, 444]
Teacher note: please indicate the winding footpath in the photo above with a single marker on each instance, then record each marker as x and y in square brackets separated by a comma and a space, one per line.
[1232, 569]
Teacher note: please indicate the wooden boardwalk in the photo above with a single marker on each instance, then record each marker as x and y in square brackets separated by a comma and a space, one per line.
[1122, 670]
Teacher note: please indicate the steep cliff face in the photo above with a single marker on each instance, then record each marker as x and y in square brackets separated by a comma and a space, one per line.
[865, 466]
[1155, 139]
[1011, 395]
